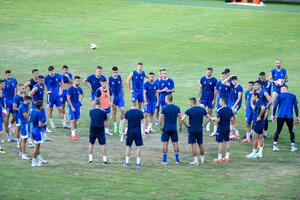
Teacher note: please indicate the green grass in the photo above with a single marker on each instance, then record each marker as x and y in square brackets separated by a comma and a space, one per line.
[183, 36]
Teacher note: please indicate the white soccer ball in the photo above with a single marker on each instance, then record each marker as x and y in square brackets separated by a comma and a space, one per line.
[4, 113]
[93, 46]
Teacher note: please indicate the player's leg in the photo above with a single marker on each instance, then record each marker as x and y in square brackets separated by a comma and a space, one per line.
[157, 109]
[260, 144]
[209, 111]
[220, 151]
[201, 146]
[290, 125]
[18, 129]
[25, 130]
[114, 118]
[122, 113]
[140, 98]
[280, 122]
[138, 143]
[106, 128]
[192, 142]
[74, 116]
[227, 149]
[266, 123]
[254, 146]
[274, 96]
[102, 143]
[92, 139]
[174, 139]
[60, 110]
[36, 152]
[1, 119]
[129, 141]
[6, 126]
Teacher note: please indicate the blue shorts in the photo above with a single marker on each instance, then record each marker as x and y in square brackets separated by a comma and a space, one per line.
[25, 130]
[134, 136]
[207, 103]
[222, 137]
[93, 96]
[119, 101]
[167, 134]
[150, 108]
[17, 120]
[100, 136]
[195, 136]
[37, 136]
[249, 116]
[1, 122]
[137, 96]
[107, 110]
[63, 96]
[258, 127]
[276, 89]
[74, 115]
[9, 106]
[51, 101]
[162, 102]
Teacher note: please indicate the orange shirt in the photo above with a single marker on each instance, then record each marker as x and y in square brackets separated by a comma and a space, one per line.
[105, 98]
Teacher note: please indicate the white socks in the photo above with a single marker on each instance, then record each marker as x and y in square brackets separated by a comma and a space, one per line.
[116, 125]
[219, 156]
[127, 159]
[138, 160]
[73, 132]
[106, 130]
[90, 157]
[150, 125]
[104, 158]
[227, 155]
[215, 128]
[248, 135]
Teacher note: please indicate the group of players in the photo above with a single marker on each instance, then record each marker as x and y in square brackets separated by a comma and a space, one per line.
[149, 99]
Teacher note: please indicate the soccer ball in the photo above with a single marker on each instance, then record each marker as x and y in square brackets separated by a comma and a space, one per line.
[4, 113]
[279, 82]
[147, 130]
[93, 46]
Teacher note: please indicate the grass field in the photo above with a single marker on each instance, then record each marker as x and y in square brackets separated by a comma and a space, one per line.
[183, 36]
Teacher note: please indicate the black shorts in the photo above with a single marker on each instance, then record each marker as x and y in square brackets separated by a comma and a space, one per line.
[97, 133]
[134, 136]
[167, 134]
[258, 127]
[195, 136]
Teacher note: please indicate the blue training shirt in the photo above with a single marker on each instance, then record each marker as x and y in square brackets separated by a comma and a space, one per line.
[170, 111]
[267, 86]
[115, 86]
[74, 93]
[196, 114]
[97, 117]
[32, 83]
[17, 100]
[169, 83]
[285, 102]
[257, 109]
[225, 114]
[208, 87]
[248, 95]
[150, 89]
[8, 91]
[94, 81]
[36, 116]
[53, 83]
[23, 108]
[39, 94]
[223, 90]
[138, 81]
[65, 79]
[134, 117]
[234, 91]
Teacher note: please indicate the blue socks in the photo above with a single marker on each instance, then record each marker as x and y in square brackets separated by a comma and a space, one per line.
[176, 154]
[165, 157]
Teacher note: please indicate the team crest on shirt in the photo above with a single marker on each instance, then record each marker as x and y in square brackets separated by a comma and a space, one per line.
[119, 82]
[136, 77]
[169, 84]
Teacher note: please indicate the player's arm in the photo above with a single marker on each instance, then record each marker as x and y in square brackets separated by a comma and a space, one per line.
[69, 78]
[200, 90]
[180, 123]
[161, 119]
[27, 84]
[225, 81]
[215, 96]
[145, 97]
[33, 91]
[143, 122]
[270, 102]
[271, 77]
[296, 109]
[123, 93]
[215, 119]
[184, 116]
[173, 88]
[86, 82]
[261, 114]
[240, 94]
[25, 115]
[276, 103]
[128, 82]
[245, 102]
[70, 103]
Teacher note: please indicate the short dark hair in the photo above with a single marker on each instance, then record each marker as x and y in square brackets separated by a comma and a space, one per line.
[258, 82]
[163, 70]
[99, 67]
[225, 99]
[8, 71]
[21, 84]
[210, 69]
[139, 63]
[65, 67]
[38, 104]
[103, 79]
[27, 98]
[227, 70]
[151, 73]
[193, 100]
[256, 94]
[234, 78]
[97, 101]
[50, 68]
[34, 70]
[251, 82]
[41, 77]
[262, 74]
[170, 98]
[223, 73]
[77, 77]
[1, 81]
[114, 68]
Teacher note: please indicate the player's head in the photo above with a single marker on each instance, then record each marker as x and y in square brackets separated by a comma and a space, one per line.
[278, 63]
[234, 80]
[209, 72]
[35, 73]
[223, 101]
[8, 74]
[223, 76]
[104, 83]
[115, 71]
[139, 66]
[133, 103]
[77, 80]
[250, 85]
[262, 76]
[2, 84]
[192, 101]
[257, 85]
[159, 73]
[284, 88]
[98, 70]
[227, 72]
[98, 103]
[41, 80]
[21, 89]
[39, 105]
[64, 69]
[27, 99]
[151, 77]
[169, 99]
[255, 96]
[164, 74]
[51, 70]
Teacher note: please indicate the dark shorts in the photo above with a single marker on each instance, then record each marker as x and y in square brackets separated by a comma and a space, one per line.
[9, 106]
[249, 116]
[137, 96]
[207, 102]
[167, 134]
[97, 133]
[119, 101]
[222, 137]
[150, 108]
[195, 136]
[63, 96]
[53, 101]
[134, 136]
[258, 127]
